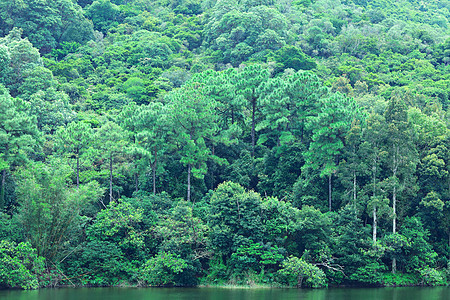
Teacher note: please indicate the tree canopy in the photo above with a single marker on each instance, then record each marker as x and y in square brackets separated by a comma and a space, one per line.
[177, 143]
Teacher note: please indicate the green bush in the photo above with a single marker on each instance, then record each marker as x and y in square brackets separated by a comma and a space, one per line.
[297, 272]
[370, 274]
[431, 277]
[163, 269]
[19, 265]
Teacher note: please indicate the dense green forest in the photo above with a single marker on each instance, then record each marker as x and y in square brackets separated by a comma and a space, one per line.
[293, 143]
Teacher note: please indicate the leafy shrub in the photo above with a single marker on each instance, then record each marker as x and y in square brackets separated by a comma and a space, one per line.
[431, 276]
[163, 269]
[19, 265]
[297, 272]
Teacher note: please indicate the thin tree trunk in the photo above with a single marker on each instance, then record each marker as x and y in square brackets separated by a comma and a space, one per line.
[110, 178]
[212, 171]
[78, 172]
[354, 188]
[395, 164]
[155, 154]
[374, 224]
[136, 179]
[2, 194]
[374, 233]
[154, 177]
[329, 192]
[301, 132]
[394, 210]
[394, 227]
[300, 281]
[189, 184]
[253, 126]
[3, 190]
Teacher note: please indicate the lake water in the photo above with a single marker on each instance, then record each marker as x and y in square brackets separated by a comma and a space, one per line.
[435, 293]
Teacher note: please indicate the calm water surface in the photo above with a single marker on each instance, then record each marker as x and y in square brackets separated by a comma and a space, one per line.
[438, 293]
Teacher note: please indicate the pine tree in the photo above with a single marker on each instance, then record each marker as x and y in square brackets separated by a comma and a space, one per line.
[18, 136]
[329, 128]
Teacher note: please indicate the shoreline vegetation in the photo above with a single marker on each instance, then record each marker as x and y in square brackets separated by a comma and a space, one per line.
[241, 286]
[290, 143]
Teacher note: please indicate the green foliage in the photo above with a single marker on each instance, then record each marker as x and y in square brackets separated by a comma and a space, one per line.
[46, 23]
[49, 210]
[110, 141]
[217, 270]
[332, 122]
[20, 266]
[419, 252]
[163, 269]
[257, 111]
[255, 256]
[300, 273]
[194, 122]
[400, 279]
[104, 15]
[290, 57]
[371, 274]
[114, 246]
[431, 277]
[74, 143]
[117, 223]
[18, 136]
[241, 34]
[100, 263]
[234, 217]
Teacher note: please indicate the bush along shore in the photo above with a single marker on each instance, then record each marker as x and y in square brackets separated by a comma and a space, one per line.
[233, 237]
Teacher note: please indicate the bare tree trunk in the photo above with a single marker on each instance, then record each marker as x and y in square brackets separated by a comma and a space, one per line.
[189, 183]
[3, 192]
[155, 153]
[136, 179]
[253, 126]
[212, 171]
[299, 281]
[394, 210]
[78, 172]
[374, 233]
[374, 224]
[354, 189]
[329, 192]
[394, 226]
[302, 129]
[154, 177]
[110, 178]
[395, 164]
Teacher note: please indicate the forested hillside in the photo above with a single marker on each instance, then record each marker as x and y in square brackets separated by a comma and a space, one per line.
[235, 142]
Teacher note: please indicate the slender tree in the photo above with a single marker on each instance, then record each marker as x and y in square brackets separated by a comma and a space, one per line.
[152, 135]
[111, 140]
[329, 128]
[371, 153]
[194, 122]
[401, 155]
[248, 80]
[288, 100]
[74, 142]
[18, 136]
